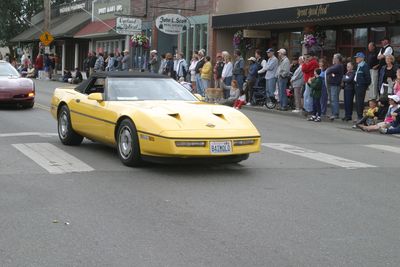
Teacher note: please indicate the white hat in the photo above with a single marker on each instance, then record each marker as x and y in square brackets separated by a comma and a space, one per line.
[126, 51]
[252, 59]
[282, 51]
[153, 52]
[395, 98]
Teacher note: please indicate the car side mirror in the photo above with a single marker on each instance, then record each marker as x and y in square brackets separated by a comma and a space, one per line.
[96, 96]
[199, 97]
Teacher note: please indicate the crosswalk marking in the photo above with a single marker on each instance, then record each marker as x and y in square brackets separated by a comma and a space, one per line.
[385, 148]
[52, 159]
[318, 156]
[27, 134]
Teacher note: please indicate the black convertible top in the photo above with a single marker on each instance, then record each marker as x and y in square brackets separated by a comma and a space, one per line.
[120, 74]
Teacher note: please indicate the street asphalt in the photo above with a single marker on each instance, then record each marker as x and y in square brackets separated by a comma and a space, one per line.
[318, 194]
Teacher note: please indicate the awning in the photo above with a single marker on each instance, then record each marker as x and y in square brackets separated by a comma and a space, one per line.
[343, 10]
[97, 29]
[61, 26]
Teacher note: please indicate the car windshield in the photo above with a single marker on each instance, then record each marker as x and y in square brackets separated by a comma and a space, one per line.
[137, 89]
[6, 70]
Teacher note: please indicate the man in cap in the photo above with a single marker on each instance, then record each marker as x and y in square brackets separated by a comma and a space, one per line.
[386, 50]
[126, 61]
[153, 63]
[270, 69]
[283, 74]
[251, 79]
[362, 80]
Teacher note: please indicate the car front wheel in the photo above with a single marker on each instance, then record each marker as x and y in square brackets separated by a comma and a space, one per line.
[65, 132]
[128, 144]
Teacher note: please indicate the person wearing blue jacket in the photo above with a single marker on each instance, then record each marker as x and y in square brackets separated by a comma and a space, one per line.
[251, 79]
[362, 78]
[334, 76]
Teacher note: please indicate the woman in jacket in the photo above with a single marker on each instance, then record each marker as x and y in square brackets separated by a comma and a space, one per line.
[251, 79]
[387, 75]
[192, 70]
[348, 82]
[169, 65]
[297, 82]
[206, 73]
[226, 75]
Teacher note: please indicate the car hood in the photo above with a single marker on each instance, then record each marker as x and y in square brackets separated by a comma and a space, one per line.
[190, 116]
[15, 82]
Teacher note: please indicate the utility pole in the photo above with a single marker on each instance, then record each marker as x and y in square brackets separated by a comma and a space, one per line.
[46, 6]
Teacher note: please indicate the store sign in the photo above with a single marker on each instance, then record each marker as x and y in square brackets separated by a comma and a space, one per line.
[72, 7]
[312, 12]
[110, 9]
[172, 23]
[128, 26]
[256, 34]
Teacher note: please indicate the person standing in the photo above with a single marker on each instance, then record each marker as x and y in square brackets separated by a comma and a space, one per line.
[126, 61]
[206, 74]
[181, 67]
[86, 63]
[348, 86]
[163, 63]
[112, 63]
[192, 70]
[363, 80]
[334, 76]
[199, 85]
[99, 65]
[324, 93]
[153, 61]
[261, 63]
[238, 68]
[308, 68]
[218, 67]
[373, 64]
[251, 79]
[92, 63]
[315, 83]
[283, 74]
[386, 50]
[169, 65]
[270, 73]
[297, 82]
[226, 76]
[387, 75]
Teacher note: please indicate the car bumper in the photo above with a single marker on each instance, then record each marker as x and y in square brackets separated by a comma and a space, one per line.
[157, 146]
[196, 160]
[16, 96]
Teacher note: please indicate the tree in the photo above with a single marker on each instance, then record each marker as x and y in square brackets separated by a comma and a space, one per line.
[13, 19]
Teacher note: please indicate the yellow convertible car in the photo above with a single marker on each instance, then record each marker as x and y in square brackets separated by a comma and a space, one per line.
[151, 117]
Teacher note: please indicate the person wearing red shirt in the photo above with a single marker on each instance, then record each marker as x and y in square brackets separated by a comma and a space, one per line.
[308, 68]
[39, 62]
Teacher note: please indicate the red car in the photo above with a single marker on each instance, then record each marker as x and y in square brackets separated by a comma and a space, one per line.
[13, 88]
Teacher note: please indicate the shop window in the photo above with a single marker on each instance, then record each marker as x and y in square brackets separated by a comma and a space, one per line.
[376, 34]
[329, 45]
[352, 41]
[347, 36]
[291, 41]
[361, 37]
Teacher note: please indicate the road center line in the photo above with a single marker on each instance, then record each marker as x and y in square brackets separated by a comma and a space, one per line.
[52, 159]
[385, 148]
[27, 134]
[318, 156]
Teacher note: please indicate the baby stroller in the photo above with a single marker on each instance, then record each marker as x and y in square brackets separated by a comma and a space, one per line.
[259, 93]
[271, 102]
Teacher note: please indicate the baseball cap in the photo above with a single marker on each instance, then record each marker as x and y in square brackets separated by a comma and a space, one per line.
[270, 50]
[252, 59]
[395, 98]
[153, 51]
[360, 55]
[282, 51]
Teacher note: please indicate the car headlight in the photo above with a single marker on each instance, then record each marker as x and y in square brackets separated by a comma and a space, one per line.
[247, 142]
[190, 143]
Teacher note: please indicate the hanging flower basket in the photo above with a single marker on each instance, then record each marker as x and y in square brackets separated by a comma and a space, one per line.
[140, 40]
[238, 39]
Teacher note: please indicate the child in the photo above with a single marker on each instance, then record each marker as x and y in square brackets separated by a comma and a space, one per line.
[370, 115]
[234, 93]
[396, 87]
[315, 83]
[240, 101]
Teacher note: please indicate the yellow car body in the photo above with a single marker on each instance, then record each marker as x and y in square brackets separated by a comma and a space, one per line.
[164, 127]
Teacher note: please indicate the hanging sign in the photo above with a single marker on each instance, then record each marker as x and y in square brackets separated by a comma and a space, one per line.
[128, 26]
[256, 34]
[172, 23]
[46, 38]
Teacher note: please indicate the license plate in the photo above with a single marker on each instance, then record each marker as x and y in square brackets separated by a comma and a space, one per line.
[224, 147]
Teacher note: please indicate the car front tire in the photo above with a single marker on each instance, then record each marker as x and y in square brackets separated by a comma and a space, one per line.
[128, 144]
[65, 132]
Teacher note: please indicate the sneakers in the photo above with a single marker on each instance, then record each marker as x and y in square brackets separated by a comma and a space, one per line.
[248, 104]
[296, 111]
[383, 130]
[312, 118]
[317, 119]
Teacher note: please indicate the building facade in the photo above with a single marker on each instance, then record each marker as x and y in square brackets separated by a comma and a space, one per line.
[336, 26]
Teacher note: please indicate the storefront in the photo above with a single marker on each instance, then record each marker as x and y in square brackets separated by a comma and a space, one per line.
[342, 26]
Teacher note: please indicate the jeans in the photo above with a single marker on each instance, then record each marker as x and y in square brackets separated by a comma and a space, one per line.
[282, 85]
[373, 87]
[297, 97]
[227, 82]
[199, 84]
[240, 79]
[249, 90]
[335, 90]
[205, 84]
[308, 100]
[360, 98]
[392, 130]
[317, 106]
[270, 87]
[348, 103]
[324, 100]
